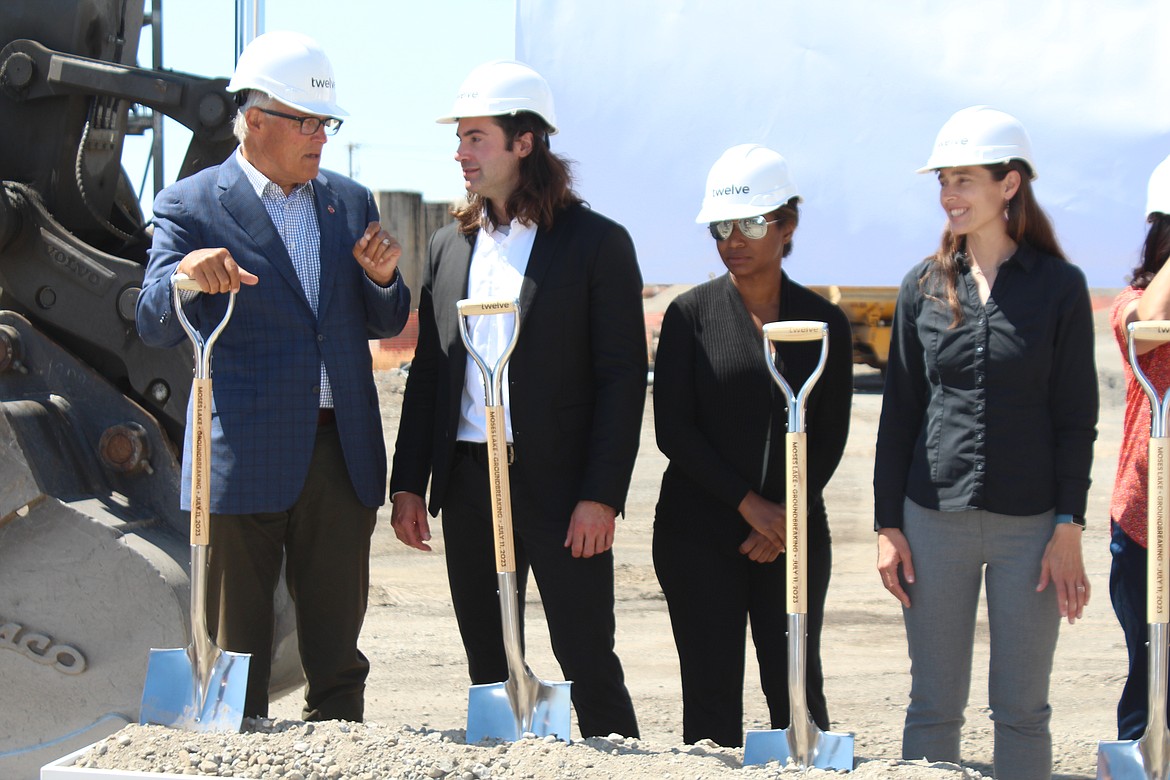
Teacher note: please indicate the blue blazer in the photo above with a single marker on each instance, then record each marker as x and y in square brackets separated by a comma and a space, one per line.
[265, 366]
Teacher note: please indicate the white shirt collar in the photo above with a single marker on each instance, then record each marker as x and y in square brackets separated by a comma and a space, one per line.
[516, 231]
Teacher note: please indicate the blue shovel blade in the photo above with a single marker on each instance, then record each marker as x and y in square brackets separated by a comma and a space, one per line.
[831, 751]
[169, 695]
[490, 714]
[1122, 760]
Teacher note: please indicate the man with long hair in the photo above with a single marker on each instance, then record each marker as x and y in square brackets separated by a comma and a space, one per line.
[574, 392]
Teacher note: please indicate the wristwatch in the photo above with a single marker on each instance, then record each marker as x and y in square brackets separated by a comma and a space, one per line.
[1074, 519]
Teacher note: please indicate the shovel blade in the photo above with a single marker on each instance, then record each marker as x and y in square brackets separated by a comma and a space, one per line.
[829, 750]
[170, 695]
[1126, 760]
[490, 714]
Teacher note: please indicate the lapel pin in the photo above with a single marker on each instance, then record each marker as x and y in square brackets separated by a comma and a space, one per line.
[330, 209]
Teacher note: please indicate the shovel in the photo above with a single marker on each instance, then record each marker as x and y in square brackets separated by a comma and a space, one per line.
[802, 741]
[200, 688]
[1149, 756]
[524, 703]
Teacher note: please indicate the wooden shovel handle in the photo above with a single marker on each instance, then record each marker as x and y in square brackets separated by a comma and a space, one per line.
[501, 493]
[468, 307]
[797, 534]
[795, 330]
[200, 460]
[1158, 606]
[1150, 330]
[184, 282]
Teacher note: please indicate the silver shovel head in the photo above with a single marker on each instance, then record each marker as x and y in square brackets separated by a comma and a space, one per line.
[492, 715]
[823, 749]
[171, 695]
[1128, 759]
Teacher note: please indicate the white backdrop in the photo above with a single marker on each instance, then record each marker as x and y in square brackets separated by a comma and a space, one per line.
[852, 92]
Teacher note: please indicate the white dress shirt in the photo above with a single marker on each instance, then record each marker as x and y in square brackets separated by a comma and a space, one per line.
[497, 271]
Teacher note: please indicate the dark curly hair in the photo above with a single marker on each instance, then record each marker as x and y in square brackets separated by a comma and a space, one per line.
[1155, 250]
[546, 179]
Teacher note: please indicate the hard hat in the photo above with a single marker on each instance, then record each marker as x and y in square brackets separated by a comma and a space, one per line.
[292, 68]
[747, 180]
[1158, 194]
[503, 87]
[980, 135]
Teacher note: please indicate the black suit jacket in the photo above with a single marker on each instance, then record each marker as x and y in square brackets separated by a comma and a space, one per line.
[577, 379]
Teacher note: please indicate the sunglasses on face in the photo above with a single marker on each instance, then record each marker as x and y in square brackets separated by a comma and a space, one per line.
[751, 227]
[309, 124]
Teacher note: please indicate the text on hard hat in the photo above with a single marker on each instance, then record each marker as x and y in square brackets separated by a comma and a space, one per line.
[732, 190]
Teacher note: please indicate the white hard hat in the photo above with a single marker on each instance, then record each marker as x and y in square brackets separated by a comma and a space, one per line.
[503, 87]
[1158, 194]
[292, 68]
[980, 135]
[747, 180]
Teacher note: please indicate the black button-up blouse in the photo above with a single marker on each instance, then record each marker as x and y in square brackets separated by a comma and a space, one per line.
[998, 412]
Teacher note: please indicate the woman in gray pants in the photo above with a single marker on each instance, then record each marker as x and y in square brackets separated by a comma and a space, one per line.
[984, 449]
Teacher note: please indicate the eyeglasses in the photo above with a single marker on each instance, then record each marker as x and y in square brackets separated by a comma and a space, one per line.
[309, 124]
[752, 227]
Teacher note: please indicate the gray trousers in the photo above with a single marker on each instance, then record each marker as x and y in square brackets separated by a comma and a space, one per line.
[952, 553]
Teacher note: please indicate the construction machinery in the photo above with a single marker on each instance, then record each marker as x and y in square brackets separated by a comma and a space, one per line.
[871, 314]
[93, 552]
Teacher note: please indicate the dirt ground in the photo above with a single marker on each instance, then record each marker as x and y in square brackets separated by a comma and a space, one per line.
[419, 676]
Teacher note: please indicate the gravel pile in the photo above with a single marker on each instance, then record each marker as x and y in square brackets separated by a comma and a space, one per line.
[294, 750]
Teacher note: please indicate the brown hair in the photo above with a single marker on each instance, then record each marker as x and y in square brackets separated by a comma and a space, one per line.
[1155, 250]
[788, 213]
[546, 180]
[1026, 224]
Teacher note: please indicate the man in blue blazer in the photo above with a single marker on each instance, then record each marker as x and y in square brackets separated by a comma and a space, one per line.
[574, 392]
[298, 463]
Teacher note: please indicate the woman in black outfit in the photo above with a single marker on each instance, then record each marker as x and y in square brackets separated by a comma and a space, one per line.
[719, 527]
[985, 448]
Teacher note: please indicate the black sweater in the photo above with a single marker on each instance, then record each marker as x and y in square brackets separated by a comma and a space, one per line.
[718, 413]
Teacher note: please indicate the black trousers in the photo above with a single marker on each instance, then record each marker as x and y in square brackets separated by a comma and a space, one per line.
[711, 594]
[577, 594]
[1128, 587]
[326, 536]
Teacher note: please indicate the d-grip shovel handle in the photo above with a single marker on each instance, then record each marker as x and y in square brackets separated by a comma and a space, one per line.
[794, 451]
[1158, 567]
[200, 408]
[497, 434]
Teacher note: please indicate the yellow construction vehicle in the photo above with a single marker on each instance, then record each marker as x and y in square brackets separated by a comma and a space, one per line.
[871, 312]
